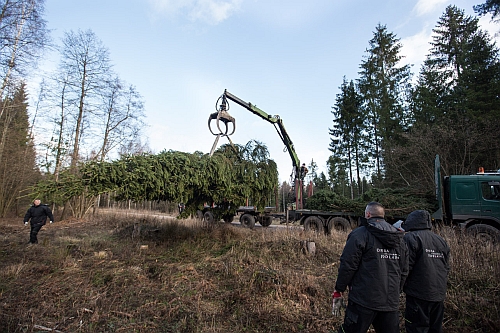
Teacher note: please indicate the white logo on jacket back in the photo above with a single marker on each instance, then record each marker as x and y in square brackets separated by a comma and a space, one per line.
[386, 254]
[433, 253]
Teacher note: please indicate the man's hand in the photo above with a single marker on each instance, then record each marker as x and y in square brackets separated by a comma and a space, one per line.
[25, 223]
[338, 303]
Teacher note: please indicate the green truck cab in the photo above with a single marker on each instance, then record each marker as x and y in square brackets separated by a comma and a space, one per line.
[471, 202]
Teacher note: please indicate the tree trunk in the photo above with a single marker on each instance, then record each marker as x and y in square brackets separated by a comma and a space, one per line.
[79, 121]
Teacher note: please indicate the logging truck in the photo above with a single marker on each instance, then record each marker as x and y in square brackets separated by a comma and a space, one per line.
[471, 202]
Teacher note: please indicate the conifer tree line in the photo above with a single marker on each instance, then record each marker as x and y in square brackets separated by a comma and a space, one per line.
[388, 124]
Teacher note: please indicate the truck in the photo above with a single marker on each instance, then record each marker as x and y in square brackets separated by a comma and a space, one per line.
[470, 202]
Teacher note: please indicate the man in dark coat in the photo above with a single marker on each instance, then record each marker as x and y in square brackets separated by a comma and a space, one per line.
[374, 266]
[425, 287]
[38, 214]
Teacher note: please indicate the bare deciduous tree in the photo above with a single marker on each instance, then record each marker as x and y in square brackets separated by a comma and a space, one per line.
[87, 63]
[122, 116]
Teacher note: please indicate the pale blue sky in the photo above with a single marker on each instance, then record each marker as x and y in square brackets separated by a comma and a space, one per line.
[286, 57]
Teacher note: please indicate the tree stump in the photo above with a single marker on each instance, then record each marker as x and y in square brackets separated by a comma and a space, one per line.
[308, 247]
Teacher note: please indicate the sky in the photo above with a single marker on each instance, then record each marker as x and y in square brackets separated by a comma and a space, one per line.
[286, 57]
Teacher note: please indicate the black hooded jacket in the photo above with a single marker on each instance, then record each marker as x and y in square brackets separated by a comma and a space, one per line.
[38, 214]
[428, 256]
[374, 264]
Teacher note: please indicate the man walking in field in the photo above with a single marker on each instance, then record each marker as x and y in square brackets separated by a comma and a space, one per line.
[374, 266]
[38, 214]
[425, 287]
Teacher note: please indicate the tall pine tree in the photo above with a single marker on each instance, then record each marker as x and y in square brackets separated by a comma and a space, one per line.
[456, 98]
[384, 84]
[17, 167]
[348, 135]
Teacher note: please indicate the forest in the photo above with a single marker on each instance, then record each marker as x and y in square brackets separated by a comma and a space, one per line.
[387, 124]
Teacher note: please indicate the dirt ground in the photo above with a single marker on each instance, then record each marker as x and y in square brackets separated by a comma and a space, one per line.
[139, 273]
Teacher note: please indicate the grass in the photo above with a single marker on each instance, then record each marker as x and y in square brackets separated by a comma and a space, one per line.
[134, 273]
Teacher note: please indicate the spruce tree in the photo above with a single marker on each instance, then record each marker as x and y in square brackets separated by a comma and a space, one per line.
[18, 166]
[348, 134]
[384, 85]
[489, 6]
[456, 96]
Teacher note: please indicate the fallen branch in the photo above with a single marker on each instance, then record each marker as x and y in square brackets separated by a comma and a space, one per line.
[43, 328]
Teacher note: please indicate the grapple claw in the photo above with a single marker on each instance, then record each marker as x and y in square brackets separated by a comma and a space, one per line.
[226, 118]
[221, 116]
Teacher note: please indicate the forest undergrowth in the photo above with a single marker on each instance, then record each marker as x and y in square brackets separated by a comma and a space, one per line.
[137, 273]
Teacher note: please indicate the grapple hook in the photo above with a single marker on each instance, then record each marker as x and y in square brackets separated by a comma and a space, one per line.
[224, 116]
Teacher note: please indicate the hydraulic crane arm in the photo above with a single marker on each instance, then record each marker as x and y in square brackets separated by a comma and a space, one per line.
[275, 120]
[223, 116]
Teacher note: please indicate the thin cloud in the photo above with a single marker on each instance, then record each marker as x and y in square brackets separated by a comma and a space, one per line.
[492, 27]
[206, 11]
[428, 6]
[415, 48]
[293, 14]
[170, 6]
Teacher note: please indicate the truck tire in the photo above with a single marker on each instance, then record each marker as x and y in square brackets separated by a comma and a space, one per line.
[339, 224]
[313, 223]
[208, 217]
[247, 221]
[199, 215]
[266, 221]
[485, 233]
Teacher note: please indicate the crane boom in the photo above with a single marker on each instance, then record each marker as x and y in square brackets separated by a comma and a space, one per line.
[275, 120]
[223, 115]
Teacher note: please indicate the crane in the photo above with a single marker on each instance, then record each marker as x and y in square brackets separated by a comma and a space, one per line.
[222, 116]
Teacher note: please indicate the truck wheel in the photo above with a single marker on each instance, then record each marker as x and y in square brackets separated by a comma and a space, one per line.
[484, 233]
[266, 221]
[247, 221]
[313, 223]
[209, 217]
[228, 219]
[339, 224]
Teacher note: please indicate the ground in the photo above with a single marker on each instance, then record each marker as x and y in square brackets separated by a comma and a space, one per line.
[120, 272]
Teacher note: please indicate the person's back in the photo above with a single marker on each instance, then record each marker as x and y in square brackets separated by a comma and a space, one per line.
[376, 254]
[374, 266]
[425, 287]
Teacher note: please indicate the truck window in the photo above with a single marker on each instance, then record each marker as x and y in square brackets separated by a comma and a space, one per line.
[465, 191]
[491, 191]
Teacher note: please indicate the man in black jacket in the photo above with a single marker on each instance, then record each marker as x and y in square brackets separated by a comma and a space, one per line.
[374, 265]
[38, 214]
[425, 287]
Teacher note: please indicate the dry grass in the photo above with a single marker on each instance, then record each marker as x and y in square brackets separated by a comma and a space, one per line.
[150, 274]
[473, 295]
